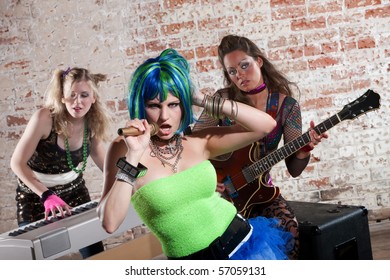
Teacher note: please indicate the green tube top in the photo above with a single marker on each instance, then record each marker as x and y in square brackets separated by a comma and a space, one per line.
[183, 210]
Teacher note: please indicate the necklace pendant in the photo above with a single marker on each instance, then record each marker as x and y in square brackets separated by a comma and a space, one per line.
[174, 148]
[85, 152]
[171, 148]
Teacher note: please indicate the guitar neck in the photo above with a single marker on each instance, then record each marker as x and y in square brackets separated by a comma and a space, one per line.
[256, 169]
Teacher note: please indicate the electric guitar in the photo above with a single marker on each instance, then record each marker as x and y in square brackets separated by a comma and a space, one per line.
[248, 186]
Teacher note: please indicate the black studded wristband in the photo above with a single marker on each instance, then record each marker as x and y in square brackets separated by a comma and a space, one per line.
[130, 170]
[45, 195]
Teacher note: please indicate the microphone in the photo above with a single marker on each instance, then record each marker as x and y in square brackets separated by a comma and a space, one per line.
[132, 131]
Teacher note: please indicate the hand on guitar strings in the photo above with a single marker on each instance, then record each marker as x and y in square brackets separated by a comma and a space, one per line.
[315, 138]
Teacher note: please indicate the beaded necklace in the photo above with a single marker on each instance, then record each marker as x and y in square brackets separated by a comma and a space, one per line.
[69, 158]
[169, 152]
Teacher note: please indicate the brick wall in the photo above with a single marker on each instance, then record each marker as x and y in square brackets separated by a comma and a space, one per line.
[335, 50]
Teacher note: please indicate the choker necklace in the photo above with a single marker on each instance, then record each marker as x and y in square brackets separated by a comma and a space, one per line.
[68, 155]
[173, 149]
[257, 90]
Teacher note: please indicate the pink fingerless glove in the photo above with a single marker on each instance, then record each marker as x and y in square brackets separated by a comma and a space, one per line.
[51, 201]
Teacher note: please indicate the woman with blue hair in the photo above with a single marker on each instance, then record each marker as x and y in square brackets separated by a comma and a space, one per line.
[167, 176]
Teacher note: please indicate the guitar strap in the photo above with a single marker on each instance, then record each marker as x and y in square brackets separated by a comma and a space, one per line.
[272, 110]
[272, 104]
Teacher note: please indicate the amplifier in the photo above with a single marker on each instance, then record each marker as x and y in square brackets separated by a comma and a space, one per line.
[332, 231]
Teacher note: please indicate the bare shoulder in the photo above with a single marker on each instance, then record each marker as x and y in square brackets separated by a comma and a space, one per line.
[41, 122]
[43, 115]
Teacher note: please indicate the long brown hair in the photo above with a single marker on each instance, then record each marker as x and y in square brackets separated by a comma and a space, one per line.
[274, 79]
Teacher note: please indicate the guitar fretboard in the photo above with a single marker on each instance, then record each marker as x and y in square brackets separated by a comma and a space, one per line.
[256, 169]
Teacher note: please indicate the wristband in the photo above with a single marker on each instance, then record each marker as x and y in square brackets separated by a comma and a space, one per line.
[130, 170]
[45, 195]
[123, 177]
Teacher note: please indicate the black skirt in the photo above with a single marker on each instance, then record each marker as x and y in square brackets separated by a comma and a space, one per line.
[30, 209]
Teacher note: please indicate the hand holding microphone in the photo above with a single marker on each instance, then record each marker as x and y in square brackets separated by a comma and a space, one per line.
[132, 131]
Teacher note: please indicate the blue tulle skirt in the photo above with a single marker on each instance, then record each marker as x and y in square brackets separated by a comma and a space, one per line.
[268, 241]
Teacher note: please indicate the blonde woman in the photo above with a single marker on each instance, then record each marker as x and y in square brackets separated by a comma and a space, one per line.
[51, 156]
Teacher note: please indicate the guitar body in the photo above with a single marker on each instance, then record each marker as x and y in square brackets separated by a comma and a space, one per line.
[246, 177]
[245, 195]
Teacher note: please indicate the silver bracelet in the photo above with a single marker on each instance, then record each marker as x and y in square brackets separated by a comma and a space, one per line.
[124, 177]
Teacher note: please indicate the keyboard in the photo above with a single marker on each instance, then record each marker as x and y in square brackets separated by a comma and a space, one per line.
[57, 236]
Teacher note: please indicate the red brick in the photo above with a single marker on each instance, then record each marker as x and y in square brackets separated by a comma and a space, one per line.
[155, 46]
[215, 23]
[18, 64]
[122, 105]
[317, 8]
[205, 65]
[346, 46]
[323, 62]
[188, 54]
[177, 28]
[289, 12]
[317, 103]
[294, 66]
[289, 53]
[361, 84]
[330, 47]
[138, 49]
[366, 43]
[312, 50]
[278, 3]
[320, 183]
[350, 4]
[111, 105]
[283, 41]
[174, 4]
[303, 24]
[9, 41]
[16, 121]
[378, 12]
[13, 135]
[202, 52]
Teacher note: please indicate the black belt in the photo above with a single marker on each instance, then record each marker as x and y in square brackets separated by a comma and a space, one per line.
[221, 247]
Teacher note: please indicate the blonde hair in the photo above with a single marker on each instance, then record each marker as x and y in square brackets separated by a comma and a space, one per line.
[97, 118]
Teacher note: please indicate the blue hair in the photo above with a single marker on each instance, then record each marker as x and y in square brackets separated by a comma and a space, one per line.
[156, 77]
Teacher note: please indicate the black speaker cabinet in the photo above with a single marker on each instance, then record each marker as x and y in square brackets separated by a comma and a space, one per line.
[332, 231]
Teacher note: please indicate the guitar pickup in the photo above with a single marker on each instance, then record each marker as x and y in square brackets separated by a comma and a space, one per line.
[229, 187]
